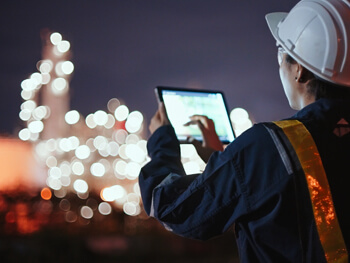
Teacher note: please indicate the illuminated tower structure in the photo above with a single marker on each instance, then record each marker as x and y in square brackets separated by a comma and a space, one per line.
[97, 157]
[57, 68]
[46, 93]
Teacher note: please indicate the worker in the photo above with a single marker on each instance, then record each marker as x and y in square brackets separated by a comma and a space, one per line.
[283, 186]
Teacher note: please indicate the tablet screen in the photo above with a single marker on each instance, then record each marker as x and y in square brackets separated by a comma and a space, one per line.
[180, 104]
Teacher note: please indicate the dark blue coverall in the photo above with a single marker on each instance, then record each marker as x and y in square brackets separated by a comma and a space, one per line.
[256, 185]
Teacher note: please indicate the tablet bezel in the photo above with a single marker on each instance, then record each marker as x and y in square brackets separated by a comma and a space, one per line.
[159, 95]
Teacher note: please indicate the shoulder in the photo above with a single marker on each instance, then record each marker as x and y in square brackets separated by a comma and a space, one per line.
[255, 148]
[257, 136]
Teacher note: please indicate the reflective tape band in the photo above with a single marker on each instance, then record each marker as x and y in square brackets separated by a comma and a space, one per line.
[321, 198]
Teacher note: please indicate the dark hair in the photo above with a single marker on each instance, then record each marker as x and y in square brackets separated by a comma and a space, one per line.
[321, 88]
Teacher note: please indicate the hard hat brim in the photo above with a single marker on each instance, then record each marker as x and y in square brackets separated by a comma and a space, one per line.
[273, 19]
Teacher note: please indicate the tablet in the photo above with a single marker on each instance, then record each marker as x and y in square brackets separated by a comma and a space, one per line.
[181, 103]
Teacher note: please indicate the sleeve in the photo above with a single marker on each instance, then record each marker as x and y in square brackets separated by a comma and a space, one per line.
[194, 206]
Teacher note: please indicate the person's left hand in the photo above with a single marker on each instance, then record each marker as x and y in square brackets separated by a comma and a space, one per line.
[159, 119]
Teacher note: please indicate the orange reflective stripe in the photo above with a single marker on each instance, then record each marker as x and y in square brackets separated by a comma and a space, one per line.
[321, 198]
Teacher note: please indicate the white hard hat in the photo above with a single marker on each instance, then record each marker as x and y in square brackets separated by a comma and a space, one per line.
[316, 33]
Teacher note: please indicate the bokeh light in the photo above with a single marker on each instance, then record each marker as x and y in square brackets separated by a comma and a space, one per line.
[86, 212]
[104, 208]
[82, 152]
[67, 67]
[113, 104]
[78, 168]
[98, 169]
[55, 38]
[100, 118]
[46, 193]
[63, 46]
[80, 186]
[121, 113]
[36, 126]
[72, 117]
[240, 120]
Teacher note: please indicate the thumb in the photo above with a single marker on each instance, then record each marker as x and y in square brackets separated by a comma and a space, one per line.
[197, 144]
[203, 152]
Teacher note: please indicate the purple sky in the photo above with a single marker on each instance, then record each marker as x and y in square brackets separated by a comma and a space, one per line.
[125, 48]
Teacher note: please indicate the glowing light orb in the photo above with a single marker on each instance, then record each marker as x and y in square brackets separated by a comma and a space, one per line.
[82, 152]
[98, 169]
[25, 114]
[239, 115]
[29, 84]
[59, 86]
[122, 151]
[120, 169]
[72, 117]
[36, 126]
[134, 122]
[105, 208]
[55, 172]
[100, 142]
[121, 113]
[45, 67]
[46, 193]
[135, 153]
[131, 209]
[113, 104]
[28, 105]
[100, 117]
[78, 168]
[120, 136]
[112, 148]
[240, 120]
[55, 38]
[54, 183]
[110, 122]
[67, 67]
[132, 139]
[51, 161]
[90, 121]
[46, 78]
[86, 212]
[27, 94]
[80, 186]
[36, 78]
[65, 181]
[40, 113]
[63, 46]
[113, 193]
[132, 170]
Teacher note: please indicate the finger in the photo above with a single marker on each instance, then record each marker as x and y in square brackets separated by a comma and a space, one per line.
[196, 122]
[162, 113]
[155, 122]
[190, 123]
[202, 118]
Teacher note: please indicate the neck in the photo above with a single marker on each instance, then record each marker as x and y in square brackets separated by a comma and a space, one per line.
[306, 100]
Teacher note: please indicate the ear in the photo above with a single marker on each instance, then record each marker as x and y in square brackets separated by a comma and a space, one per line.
[303, 75]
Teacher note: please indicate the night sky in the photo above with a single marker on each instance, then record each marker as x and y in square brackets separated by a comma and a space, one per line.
[124, 49]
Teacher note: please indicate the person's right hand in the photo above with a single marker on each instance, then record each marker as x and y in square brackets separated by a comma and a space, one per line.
[211, 141]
